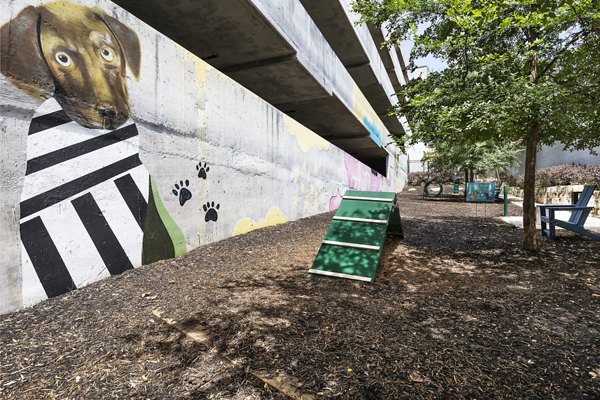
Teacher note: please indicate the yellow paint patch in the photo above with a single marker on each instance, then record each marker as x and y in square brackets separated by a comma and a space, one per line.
[362, 108]
[201, 72]
[363, 111]
[307, 197]
[274, 217]
[305, 138]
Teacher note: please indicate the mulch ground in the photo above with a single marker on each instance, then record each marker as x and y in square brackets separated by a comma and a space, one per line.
[458, 310]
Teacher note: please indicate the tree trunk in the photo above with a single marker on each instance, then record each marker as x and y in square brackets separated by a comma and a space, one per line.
[529, 231]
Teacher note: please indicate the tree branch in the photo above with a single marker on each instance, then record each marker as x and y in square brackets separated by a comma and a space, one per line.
[558, 82]
[581, 20]
[560, 52]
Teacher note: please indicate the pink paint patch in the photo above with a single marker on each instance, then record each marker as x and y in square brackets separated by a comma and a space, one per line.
[361, 177]
[334, 201]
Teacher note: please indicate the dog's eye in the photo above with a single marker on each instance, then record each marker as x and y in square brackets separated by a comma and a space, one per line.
[63, 59]
[107, 54]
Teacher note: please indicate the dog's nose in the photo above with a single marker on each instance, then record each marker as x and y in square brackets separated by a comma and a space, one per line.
[111, 116]
[108, 113]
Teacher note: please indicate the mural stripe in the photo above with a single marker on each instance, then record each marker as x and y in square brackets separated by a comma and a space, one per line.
[47, 179]
[133, 198]
[46, 259]
[59, 137]
[73, 244]
[47, 107]
[60, 193]
[120, 219]
[48, 121]
[101, 234]
[32, 289]
[67, 153]
[141, 177]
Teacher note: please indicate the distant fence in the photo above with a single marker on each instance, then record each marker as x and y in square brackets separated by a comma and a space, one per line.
[417, 166]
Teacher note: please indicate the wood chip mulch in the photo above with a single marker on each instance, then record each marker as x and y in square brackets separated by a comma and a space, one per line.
[458, 310]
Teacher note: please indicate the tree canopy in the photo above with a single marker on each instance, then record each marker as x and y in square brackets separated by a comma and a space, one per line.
[480, 158]
[518, 72]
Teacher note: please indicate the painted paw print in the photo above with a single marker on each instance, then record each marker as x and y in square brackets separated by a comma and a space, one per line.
[211, 211]
[182, 191]
[202, 170]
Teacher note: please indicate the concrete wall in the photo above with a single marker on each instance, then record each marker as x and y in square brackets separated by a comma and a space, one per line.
[556, 155]
[560, 195]
[415, 158]
[293, 23]
[550, 156]
[372, 50]
[119, 148]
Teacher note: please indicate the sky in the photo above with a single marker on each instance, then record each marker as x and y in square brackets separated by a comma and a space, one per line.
[432, 63]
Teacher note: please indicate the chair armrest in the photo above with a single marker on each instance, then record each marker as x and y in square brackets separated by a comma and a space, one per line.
[569, 208]
[562, 206]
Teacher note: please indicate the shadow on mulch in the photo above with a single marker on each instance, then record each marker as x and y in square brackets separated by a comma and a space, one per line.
[458, 310]
[445, 196]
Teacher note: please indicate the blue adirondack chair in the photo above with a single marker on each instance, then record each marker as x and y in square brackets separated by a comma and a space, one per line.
[579, 214]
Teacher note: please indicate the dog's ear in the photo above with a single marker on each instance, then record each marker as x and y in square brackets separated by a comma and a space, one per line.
[21, 59]
[129, 42]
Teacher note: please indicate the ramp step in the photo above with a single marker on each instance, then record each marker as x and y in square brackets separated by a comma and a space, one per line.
[354, 240]
[346, 261]
[364, 209]
[356, 232]
[339, 275]
[368, 198]
[370, 221]
[353, 245]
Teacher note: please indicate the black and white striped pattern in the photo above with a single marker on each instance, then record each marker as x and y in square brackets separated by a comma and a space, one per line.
[83, 204]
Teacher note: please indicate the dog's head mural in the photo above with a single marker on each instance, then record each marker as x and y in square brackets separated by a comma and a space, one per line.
[76, 54]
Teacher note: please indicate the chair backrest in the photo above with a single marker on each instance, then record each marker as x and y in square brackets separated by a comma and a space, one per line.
[584, 199]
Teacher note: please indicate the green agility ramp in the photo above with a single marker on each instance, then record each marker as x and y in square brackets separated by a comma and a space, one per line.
[354, 241]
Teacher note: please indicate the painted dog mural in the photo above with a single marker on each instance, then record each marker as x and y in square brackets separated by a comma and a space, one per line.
[76, 54]
[89, 207]
[86, 192]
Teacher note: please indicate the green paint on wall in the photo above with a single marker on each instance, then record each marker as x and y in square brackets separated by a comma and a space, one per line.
[162, 237]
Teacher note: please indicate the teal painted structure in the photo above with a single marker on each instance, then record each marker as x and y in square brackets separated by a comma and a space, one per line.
[354, 240]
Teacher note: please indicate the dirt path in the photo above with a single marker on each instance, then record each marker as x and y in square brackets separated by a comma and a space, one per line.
[457, 311]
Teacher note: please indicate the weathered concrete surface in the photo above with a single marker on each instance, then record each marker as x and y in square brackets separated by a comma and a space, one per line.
[549, 156]
[273, 48]
[391, 55]
[216, 160]
[361, 54]
[15, 116]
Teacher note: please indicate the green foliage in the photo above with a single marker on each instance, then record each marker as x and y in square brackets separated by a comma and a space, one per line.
[420, 178]
[511, 64]
[560, 175]
[520, 73]
[481, 157]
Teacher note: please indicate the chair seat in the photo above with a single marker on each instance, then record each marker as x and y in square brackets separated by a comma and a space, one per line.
[579, 214]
